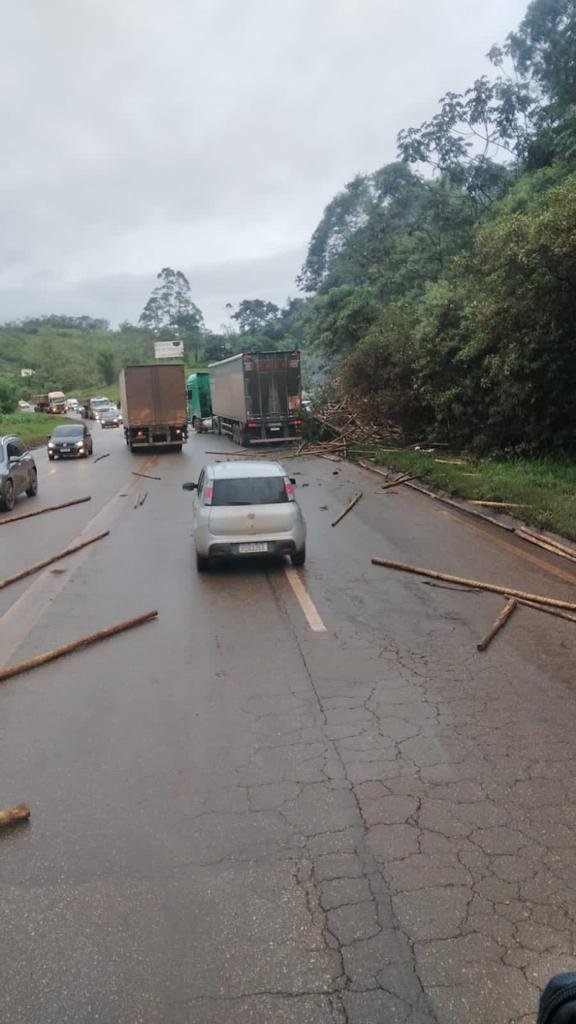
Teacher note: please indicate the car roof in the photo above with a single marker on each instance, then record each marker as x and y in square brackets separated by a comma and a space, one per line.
[68, 427]
[242, 470]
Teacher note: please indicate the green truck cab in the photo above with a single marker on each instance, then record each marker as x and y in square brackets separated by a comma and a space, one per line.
[199, 401]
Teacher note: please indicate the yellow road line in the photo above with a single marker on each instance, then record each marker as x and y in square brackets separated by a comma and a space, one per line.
[305, 601]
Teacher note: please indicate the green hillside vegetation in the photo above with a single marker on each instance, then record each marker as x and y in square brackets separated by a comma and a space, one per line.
[33, 427]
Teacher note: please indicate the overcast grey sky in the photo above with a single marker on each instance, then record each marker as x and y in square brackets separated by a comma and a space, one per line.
[206, 135]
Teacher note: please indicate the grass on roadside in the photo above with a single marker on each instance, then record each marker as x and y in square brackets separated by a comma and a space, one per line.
[33, 427]
[546, 487]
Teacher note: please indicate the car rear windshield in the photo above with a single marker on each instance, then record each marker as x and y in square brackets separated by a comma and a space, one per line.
[71, 431]
[265, 490]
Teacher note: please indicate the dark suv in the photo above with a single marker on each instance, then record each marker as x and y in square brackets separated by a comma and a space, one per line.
[17, 471]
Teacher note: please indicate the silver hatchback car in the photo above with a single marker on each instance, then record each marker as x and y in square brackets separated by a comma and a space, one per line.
[243, 509]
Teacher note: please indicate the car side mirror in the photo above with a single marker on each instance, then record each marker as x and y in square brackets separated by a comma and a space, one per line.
[189, 487]
[293, 481]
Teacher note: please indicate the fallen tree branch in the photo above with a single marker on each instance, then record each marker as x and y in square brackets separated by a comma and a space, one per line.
[41, 511]
[501, 621]
[105, 456]
[348, 508]
[48, 561]
[86, 641]
[147, 475]
[21, 812]
[537, 599]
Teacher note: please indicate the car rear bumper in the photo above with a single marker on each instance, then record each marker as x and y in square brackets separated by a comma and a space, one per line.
[274, 548]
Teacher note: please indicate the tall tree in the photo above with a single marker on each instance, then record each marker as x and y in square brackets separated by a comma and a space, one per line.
[255, 316]
[170, 305]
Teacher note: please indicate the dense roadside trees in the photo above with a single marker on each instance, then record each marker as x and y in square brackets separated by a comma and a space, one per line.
[443, 287]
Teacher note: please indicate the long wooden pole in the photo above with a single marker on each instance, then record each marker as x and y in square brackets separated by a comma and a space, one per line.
[41, 511]
[85, 641]
[502, 619]
[552, 602]
[48, 561]
[547, 545]
[549, 611]
[348, 508]
[395, 483]
[21, 812]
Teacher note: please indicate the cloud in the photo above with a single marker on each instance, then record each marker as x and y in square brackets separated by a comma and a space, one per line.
[204, 134]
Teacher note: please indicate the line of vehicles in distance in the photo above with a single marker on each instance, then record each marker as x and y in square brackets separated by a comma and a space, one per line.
[239, 510]
[252, 397]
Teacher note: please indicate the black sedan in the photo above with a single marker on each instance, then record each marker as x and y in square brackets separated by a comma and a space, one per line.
[70, 441]
[110, 418]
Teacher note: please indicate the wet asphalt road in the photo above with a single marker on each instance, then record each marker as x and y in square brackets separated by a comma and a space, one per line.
[239, 820]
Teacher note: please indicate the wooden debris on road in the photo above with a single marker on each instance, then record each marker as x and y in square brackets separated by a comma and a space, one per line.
[48, 561]
[147, 475]
[105, 456]
[535, 599]
[452, 462]
[401, 480]
[47, 508]
[21, 812]
[547, 544]
[143, 498]
[501, 621]
[86, 641]
[348, 508]
[548, 611]
[497, 504]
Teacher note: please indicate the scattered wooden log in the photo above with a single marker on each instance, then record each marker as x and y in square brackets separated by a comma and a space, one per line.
[348, 508]
[497, 504]
[48, 561]
[547, 543]
[11, 816]
[47, 508]
[452, 462]
[86, 641]
[552, 602]
[147, 475]
[501, 621]
[395, 483]
[548, 611]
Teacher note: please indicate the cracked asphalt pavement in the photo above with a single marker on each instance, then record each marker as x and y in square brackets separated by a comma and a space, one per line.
[237, 819]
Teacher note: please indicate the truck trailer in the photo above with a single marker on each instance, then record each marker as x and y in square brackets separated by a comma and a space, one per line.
[153, 400]
[256, 396]
[199, 401]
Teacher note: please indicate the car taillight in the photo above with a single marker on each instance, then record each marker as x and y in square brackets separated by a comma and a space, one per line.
[207, 495]
[297, 423]
[289, 489]
[251, 424]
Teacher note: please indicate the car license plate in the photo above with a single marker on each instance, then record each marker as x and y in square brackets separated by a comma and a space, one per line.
[64, 448]
[252, 549]
[274, 428]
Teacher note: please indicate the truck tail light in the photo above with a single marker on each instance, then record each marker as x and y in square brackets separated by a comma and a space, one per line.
[297, 423]
[251, 424]
[289, 489]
